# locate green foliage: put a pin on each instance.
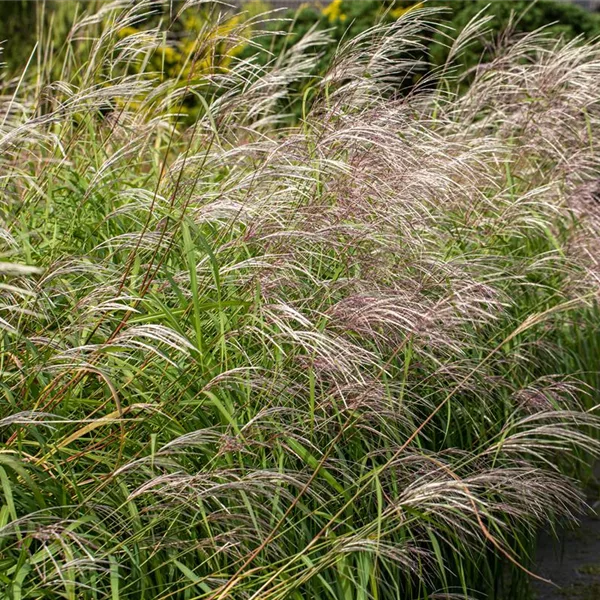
(346, 19)
(23, 23)
(559, 19)
(18, 23)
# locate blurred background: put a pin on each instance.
(22, 20)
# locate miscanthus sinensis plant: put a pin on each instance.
(348, 359)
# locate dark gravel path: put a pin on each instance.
(572, 563)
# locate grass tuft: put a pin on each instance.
(352, 358)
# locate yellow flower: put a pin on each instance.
(169, 54)
(333, 11)
(127, 31)
(401, 10)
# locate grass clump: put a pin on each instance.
(349, 359)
